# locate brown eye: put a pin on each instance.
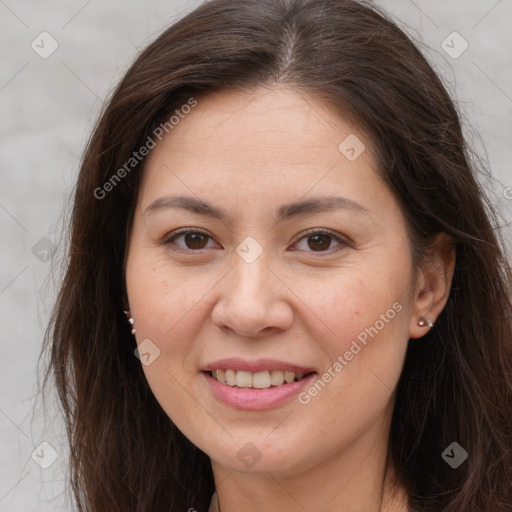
(195, 240)
(192, 240)
(321, 241)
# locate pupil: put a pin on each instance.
(318, 238)
(193, 240)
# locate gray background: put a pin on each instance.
(47, 109)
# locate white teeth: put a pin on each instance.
(289, 377)
(244, 379)
(277, 377)
(261, 380)
(221, 376)
(230, 377)
(258, 380)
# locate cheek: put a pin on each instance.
(353, 304)
(157, 295)
(360, 321)
(169, 304)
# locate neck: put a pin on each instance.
(356, 478)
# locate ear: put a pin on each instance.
(433, 284)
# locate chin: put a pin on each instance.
(258, 454)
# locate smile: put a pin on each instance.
(251, 398)
(259, 380)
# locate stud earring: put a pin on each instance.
(425, 322)
(130, 320)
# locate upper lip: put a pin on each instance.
(259, 365)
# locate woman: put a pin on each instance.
(278, 216)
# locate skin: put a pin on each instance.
(302, 300)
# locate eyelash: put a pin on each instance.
(169, 240)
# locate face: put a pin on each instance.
(286, 252)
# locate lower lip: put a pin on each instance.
(255, 399)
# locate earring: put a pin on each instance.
(130, 320)
(425, 322)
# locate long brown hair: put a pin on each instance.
(125, 452)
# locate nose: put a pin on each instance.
(253, 300)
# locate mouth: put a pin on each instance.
(259, 390)
(266, 379)
(254, 385)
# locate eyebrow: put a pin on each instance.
(284, 212)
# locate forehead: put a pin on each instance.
(280, 118)
(265, 141)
